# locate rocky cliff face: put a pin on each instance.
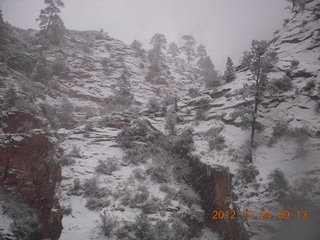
(29, 172)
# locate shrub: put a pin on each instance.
(66, 210)
(193, 92)
(88, 127)
(91, 188)
(141, 195)
(75, 152)
(97, 204)
(309, 86)
(76, 187)
(161, 230)
(171, 122)
(26, 228)
(279, 130)
(294, 63)
(170, 190)
(60, 67)
(217, 142)
(151, 206)
(281, 85)
(108, 224)
(66, 114)
(42, 72)
(139, 174)
(136, 155)
(123, 231)
(189, 196)
(107, 167)
(142, 227)
(184, 143)
(153, 105)
(159, 174)
(10, 98)
(278, 186)
(247, 172)
(179, 230)
(285, 22)
(67, 161)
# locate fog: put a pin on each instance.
(225, 27)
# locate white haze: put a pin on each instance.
(225, 27)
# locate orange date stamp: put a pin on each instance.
(262, 215)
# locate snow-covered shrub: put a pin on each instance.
(153, 105)
(107, 167)
(278, 186)
(193, 92)
(217, 142)
(26, 228)
(279, 130)
(10, 98)
(86, 49)
(179, 230)
(108, 224)
(294, 63)
(91, 188)
(76, 187)
(60, 68)
(67, 161)
(309, 86)
(66, 210)
(169, 190)
(171, 122)
(142, 228)
(161, 230)
(281, 84)
(247, 172)
(141, 130)
(88, 127)
(97, 203)
(75, 151)
(159, 173)
(123, 230)
(139, 174)
(152, 205)
(65, 114)
(141, 195)
(136, 155)
(183, 144)
(189, 196)
(43, 72)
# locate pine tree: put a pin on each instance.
(10, 98)
(229, 73)
(159, 44)
(123, 94)
(42, 72)
(259, 61)
(51, 24)
(201, 51)
(208, 74)
(188, 47)
(173, 50)
(137, 47)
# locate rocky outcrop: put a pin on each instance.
(214, 187)
(28, 172)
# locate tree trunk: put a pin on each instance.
(254, 115)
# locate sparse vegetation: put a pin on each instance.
(108, 224)
(107, 167)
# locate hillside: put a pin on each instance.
(80, 166)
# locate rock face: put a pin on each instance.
(214, 188)
(28, 173)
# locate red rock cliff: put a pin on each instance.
(27, 172)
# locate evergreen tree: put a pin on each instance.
(188, 47)
(159, 44)
(10, 98)
(173, 50)
(137, 47)
(259, 61)
(229, 73)
(208, 74)
(201, 51)
(123, 94)
(51, 24)
(42, 72)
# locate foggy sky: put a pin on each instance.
(225, 27)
